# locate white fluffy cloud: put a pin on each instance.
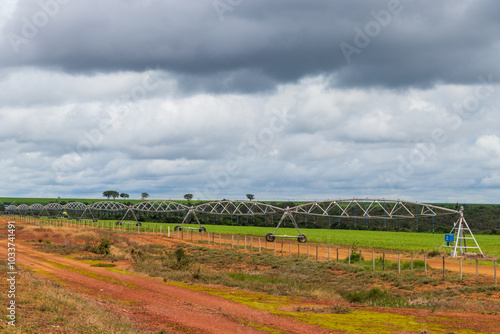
(253, 104)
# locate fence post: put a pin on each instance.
(460, 268)
(425, 264)
(232, 240)
(399, 263)
(337, 255)
(274, 246)
(477, 270)
(383, 261)
(360, 257)
(349, 256)
(259, 246)
(245, 243)
(443, 267)
(317, 249)
(308, 252)
(328, 253)
(251, 244)
(411, 265)
(373, 260)
(495, 270)
(290, 249)
(298, 251)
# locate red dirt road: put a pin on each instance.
(159, 305)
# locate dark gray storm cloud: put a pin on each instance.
(248, 46)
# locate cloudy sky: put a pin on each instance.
(285, 99)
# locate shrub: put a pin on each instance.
(181, 258)
(103, 246)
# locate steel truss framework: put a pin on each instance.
(461, 233)
(342, 208)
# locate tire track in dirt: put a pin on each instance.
(159, 305)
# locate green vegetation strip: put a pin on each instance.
(357, 321)
(93, 275)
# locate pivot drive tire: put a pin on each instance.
(202, 229)
(177, 228)
(302, 238)
(270, 237)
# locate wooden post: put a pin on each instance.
(274, 246)
(259, 246)
(495, 271)
(317, 251)
(298, 251)
(232, 240)
(337, 255)
(282, 241)
(245, 243)
(425, 264)
(349, 256)
(373, 260)
(251, 244)
(411, 263)
(308, 252)
(360, 257)
(290, 249)
(443, 267)
(399, 263)
(477, 269)
(460, 268)
(383, 261)
(220, 240)
(328, 253)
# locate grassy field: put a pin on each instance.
(403, 241)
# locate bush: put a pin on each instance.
(182, 261)
(103, 246)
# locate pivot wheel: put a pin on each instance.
(95, 220)
(177, 228)
(118, 223)
(270, 237)
(302, 238)
(138, 224)
(202, 229)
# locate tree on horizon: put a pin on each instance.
(108, 193)
(250, 197)
(144, 195)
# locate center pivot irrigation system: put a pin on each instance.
(342, 208)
